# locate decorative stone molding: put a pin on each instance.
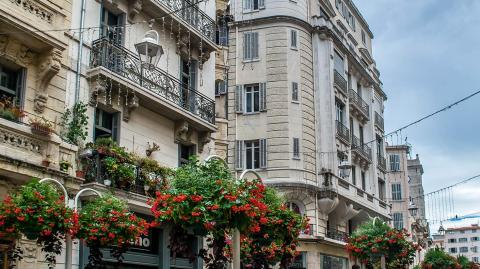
(15, 51)
(203, 139)
(183, 132)
(128, 107)
(134, 8)
(34, 8)
(20, 141)
(99, 88)
(182, 46)
(49, 65)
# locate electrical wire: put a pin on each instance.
(99, 27)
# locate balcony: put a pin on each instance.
(336, 235)
(339, 82)
(382, 163)
(359, 107)
(379, 123)
(361, 152)
(157, 89)
(189, 18)
(343, 133)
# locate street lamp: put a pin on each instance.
(345, 169)
(149, 50)
(412, 208)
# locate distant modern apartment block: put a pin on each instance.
(462, 241)
(304, 98)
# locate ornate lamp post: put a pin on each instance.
(345, 169)
(149, 50)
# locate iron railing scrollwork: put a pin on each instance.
(382, 162)
(360, 103)
(127, 65)
(362, 148)
(379, 121)
(191, 14)
(340, 82)
(337, 235)
(343, 132)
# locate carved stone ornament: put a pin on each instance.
(183, 132)
(15, 51)
(131, 105)
(36, 9)
(135, 7)
(182, 46)
(48, 66)
(203, 139)
(99, 88)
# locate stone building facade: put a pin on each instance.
(304, 95)
(415, 174)
(33, 77)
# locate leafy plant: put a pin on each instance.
(37, 211)
(438, 259)
(74, 123)
(41, 125)
(10, 110)
(64, 165)
(107, 223)
(153, 174)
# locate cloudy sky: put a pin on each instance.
(428, 54)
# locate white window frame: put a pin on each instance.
(397, 218)
(252, 146)
(338, 57)
(253, 91)
(394, 162)
(249, 5)
(293, 39)
(364, 38)
(250, 46)
(462, 240)
(463, 249)
(396, 191)
(296, 148)
(295, 95)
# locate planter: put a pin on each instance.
(80, 173)
(107, 182)
(40, 130)
(46, 163)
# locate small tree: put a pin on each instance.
(74, 123)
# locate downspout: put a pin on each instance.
(80, 52)
(315, 50)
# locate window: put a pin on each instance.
(364, 39)
(252, 98)
(294, 207)
(333, 262)
(112, 26)
(474, 239)
(296, 148)
(294, 91)
(222, 32)
(462, 231)
(380, 146)
(293, 39)
(340, 111)
(362, 137)
(463, 249)
(250, 46)
(11, 82)
(354, 175)
(452, 240)
(185, 152)
(338, 64)
(396, 191)
(251, 154)
(252, 5)
(106, 124)
(474, 231)
(364, 181)
(398, 221)
(452, 250)
(474, 249)
(475, 259)
(220, 87)
(394, 162)
(381, 189)
(351, 20)
(462, 240)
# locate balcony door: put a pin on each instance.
(112, 26)
(188, 79)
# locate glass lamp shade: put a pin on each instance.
(412, 208)
(149, 50)
(345, 169)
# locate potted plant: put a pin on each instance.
(9, 110)
(65, 165)
(37, 211)
(46, 162)
(121, 173)
(41, 126)
(106, 223)
(152, 174)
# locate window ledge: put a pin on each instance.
(296, 102)
(252, 113)
(294, 48)
(296, 158)
(251, 61)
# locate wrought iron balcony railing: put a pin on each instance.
(379, 121)
(192, 15)
(343, 132)
(360, 103)
(337, 235)
(126, 64)
(340, 82)
(362, 148)
(382, 163)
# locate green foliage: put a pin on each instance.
(438, 259)
(74, 123)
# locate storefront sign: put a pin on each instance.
(300, 262)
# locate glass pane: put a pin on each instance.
(249, 101)
(256, 156)
(248, 154)
(256, 101)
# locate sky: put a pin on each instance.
(428, 54)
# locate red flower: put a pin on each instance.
(111, 235)
(196, 214)
(231, 197)
(180, 198)
(21, 218)
(46, 232)
(263, 220)
(196, 198)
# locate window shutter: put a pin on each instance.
(263, 153)
(247, 46)
(263, 96)
(254, 48)
(239, 149)
(239, 99)
(261, 4)
(223, 87)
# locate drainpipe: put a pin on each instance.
(317, 157)
(80, 52)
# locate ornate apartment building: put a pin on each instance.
(304, 99)
(33, 77)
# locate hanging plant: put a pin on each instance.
(107, 223)
(375, 239)
(38, 212)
